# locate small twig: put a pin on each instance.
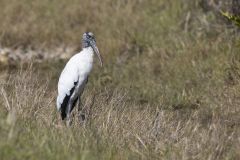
(141, 141)
(6, 99)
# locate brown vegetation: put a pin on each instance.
(169, 88)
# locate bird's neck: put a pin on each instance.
(85, 43)
(88, 51)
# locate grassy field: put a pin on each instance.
(169, 88)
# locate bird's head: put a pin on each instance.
(89, 41)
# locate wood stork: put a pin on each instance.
(75, 76)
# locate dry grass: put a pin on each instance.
(116, 128)
(169, 89)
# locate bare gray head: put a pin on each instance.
(88, 40)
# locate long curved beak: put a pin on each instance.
(95, 48)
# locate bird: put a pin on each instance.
(74, 76)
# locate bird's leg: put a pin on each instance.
(80, 110)
(68, 112)
(80, 105)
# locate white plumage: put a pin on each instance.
(75, 75)
(76, 70)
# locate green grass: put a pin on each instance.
(169, 88)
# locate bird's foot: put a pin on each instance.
(68, 122)
(82, 117)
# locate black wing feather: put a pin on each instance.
(66, 100)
